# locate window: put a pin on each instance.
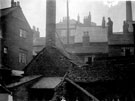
(22, 57)
(23, 33)
(0, 33)
(85, 33)
(126, 51)
(89, 60)
(5, 50)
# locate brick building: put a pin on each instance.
(122, 43)
(87, 40)
(100, 81)
(16, 42)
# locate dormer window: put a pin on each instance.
(23, 33)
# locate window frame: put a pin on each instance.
(5, 50)
(22, 56)
(23, 33)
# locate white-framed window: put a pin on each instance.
(22, 57)
(23, 33)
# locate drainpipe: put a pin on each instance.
(0, 46)
(134, 37)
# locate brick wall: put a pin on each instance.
(14, 42)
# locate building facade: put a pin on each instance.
(87, 40)
(122, 43)
(17, 37)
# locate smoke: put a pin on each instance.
(111, 3)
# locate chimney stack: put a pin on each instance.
(128, 11)
(13, 3)
(18, 3)
(86, 39)
(50, 22)
(103, 22)
(78, 18)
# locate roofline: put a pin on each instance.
(5, 88)
(83, 90)
(17, 85)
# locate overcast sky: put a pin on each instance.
(35, 11)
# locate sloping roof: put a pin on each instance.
(82, 89)
(16, 12)
(7, 11)
(3, 89)
(51, 62)
(103, 71)
(23, 80)
(125, 38)
(47, 82)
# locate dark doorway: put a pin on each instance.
(127, 52)
(89, 60)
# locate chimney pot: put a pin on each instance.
(38, 29)
(12, 3)
(15, 4)
(18, 3)
(34, 28)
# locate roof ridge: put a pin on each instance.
(8, 10)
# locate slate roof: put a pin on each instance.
(103, 71)
(7, 11)
(52, 62)
(16, 12)
(123, 39)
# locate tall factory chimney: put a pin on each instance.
(68, 34)
(128, 11)
(50, 22)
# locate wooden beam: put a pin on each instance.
(82, 89)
